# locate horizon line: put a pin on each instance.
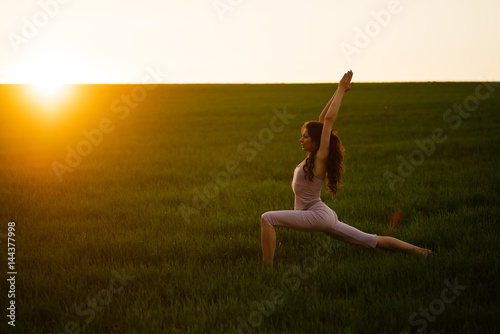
(242, 83)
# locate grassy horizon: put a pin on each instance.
(107, 247)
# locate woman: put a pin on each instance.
(325, 159)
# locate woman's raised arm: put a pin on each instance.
(331, 115)
(323, 113)
(325, 110)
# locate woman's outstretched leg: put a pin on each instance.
(393, 244)
(268, 240)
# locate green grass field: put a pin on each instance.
(152, 224)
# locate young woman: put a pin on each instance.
(325, 160)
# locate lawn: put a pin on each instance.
(137, 210)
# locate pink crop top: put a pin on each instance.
(305, 191)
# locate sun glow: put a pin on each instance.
(50, 89)
(48, 96)
(49, 82)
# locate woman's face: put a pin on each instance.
(308, 144)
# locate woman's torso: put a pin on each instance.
(306, 191)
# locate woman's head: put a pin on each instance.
(311, 136)
(311, 139)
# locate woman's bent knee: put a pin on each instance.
(264, 223)
(265, 219)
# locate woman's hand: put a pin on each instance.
(349, 87)
(344, 86)
(345, 83)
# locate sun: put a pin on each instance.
(49, 96)
(49, 81)
(49, 89)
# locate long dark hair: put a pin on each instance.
(335, 164)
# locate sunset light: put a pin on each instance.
(49, 89)
(48, 81)
(48, 95)
(212, 42)
(49, 73)
(240, 166)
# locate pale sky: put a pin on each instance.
(254, 41)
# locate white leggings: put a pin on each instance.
(320, 218)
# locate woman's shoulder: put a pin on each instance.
(302, 163)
